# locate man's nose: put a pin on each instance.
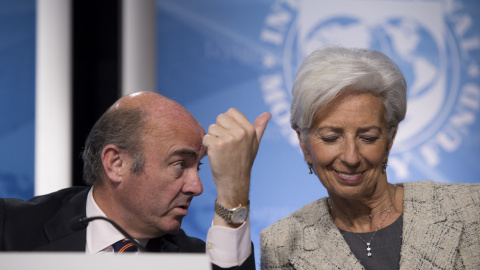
(193, 185)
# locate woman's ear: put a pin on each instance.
(113, 163)
(306, 153)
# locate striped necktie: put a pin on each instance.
(124, 246)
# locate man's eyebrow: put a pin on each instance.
(184, 152)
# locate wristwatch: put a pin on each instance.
(236, 215)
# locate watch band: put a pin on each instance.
(228, 214)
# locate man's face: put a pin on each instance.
(157, 199)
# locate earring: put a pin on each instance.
(310, 168)
(384, 166)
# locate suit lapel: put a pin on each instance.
(161, 245)
(429, 239)
(323, 245)
(59, 231)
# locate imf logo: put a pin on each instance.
(433, 52)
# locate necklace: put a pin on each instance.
(371, 215)
(369, 249)
(381, 211)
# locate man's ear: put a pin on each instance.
(306, 153)
(114, 163)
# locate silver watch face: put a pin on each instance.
(240, 215)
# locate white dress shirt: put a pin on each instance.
(226, 247)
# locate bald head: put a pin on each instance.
(157, 106)
(144, 100)
(123, 125)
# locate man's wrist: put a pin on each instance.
(236, 215)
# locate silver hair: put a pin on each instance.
(331, 71)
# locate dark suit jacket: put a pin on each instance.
(46, 223)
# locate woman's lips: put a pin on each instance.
(350, 177)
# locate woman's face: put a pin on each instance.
(347, 145)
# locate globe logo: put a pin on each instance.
(433, 43)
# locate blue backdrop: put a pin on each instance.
(17, 98)
(213, 55)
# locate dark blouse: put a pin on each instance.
(385, 246)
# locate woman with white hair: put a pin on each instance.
(346, 108)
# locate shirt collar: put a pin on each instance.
(101, 235)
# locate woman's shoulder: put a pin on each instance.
(281, 239)
(442, 189)
(308, 214)
(450, 197)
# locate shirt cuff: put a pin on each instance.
(228, 247)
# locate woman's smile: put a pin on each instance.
(349, 177)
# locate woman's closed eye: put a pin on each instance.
(329, 139)
(369, 139)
